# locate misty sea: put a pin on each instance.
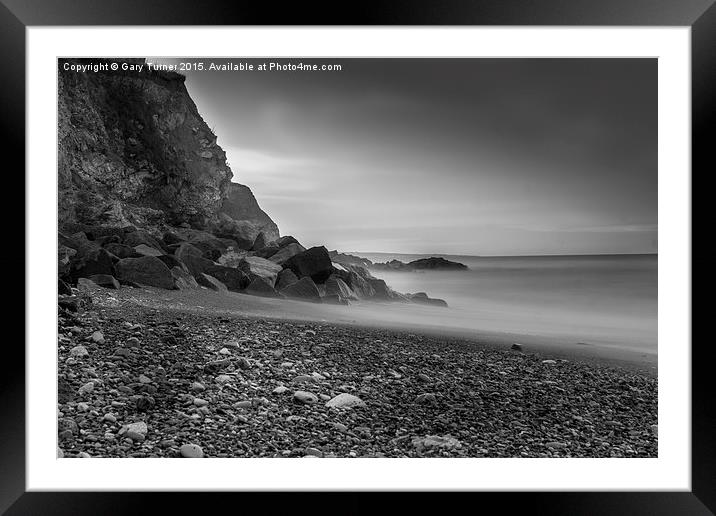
(601, 300)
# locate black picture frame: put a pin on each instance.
(17, 15)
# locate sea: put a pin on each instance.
(595, 300)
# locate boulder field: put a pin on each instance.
(185, 259)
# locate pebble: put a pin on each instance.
(436, 441)
(222, 379)
(555, 444)
(79, 351)
(200, 402)
(345, 400)
(82, 407)
(303, 378)
(423, 377)
(132, 342)
(314, 452)
(110, 417)
(244, 363)
(198, 387)
(86, 388)
(243, 404)
(140, 427)
(98, 337)
(144, 379)
(305, 397)
(224, 351)
(516, 347)
(428, 397)
(280, 389)
(191, 451)
(549, 361)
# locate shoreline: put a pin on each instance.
(142, 374)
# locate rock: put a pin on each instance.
(243, 363)
(217, 365)
(170, 238)
(121, 250)
(305, 397)
(145, 403)
(64, 258)
(280, 256)
(422, 298)
(147, 270)
(171, 261)
(336, 286)
(345, 400)
(223, 379)
(197, 387)
(423, 377)
(260, 287)
(210, 282)
(79, 351)
(144, 379)
(314, 452)
(234, 279)
(516, 347)
(654, 430)
(549, 361)
(60, 453)
(137, 429)
(304, 289)
(243, 404)
(314, 262)
(286, 240)
(95, 261)
(285, 278)
(240, 206)
(303, 378)
(555, 444)
(335, 299)
(145, 250)
(191, 451)
(256, 267)
(140, 237)
(68, 425)
(436, 441)
(193, 259)
(199, 402)
(105, 280)
(132, 342)
(261, 241)
(427, 398)
(183, 280)
(86, 388)
(384, 292)
(110, 418)
(360, 286)
(280, 390)
(266, 252)
(63, 289)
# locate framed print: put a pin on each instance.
(444, 251)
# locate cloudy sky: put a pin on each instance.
(458, 156)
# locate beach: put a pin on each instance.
(146, 372)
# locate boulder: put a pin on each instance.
(105, 280)
(266, 252)
(210, 282)
(304, 289)
(313, 262)
(192, 258)
(360, 286)
(234, 279)
(285, 278)
(231, 258)
(286, 240)
(145, 250)
(171, 261)
(260, 242)
(260, 287)
(121, 250)
(95, 261)
(345, 400)
(336, 286)
(172, 238)
(256, 267)
(384, 292)
(147, 270)
(64, 258)
(63, 288)
(335, 299)
(138, 237)
(286, 253)
(183, 280)
(422, 298)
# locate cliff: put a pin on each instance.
(134, 150)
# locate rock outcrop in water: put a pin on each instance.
(146, 199)
(432, 263)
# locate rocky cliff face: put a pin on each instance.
(134, 150)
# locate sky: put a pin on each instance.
(451, 156)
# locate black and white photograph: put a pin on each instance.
(357, 257)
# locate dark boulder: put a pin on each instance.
(145, 250)
(138, 237)
(287, 253)
(210, 282)
(260, 287)
(170, 238)
(304, 289)
(422, 298)
(260, 242)
(63, 288)
(95, 261)
(234, 279)
(171, 261)
(183, 280)
(64, 258)
(286, 240)
(147, 270)
(384, 292)
(285, 278)
(105, 280)
(193, 259)
(266, 252)
(313, 262)
(336, 286)
(360, 286)
(121, 250)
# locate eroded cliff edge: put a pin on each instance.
(134, 151)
